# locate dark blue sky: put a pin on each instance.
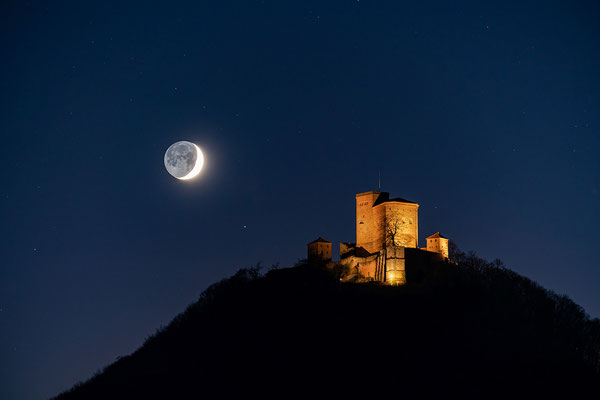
(487, 115)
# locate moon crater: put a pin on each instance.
(184, 160)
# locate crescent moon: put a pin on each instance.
(197, 167)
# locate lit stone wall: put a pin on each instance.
(433, 245)
(386, 229)
(368, 222)
(396, 268)
(404, 220)
(320, 249)
(444, 247)
(345, 248)
(371, 222)
(365, 266)
(438, 245)
(395, 252)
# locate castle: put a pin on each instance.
(387, 240)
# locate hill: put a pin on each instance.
(473, 329)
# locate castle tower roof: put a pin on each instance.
(437, 235)
(384, 197)
(319, 240)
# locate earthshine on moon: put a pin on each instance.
(184, 160)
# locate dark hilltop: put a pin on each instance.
(469, 328)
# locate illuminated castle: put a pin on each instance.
(387, 240)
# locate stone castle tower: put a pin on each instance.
(387, 240)
(319, 248)
(382, 221)
(438, 244)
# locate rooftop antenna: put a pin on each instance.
(379, 181)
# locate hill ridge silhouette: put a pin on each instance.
(470, 327)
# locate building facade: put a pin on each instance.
(320, 248)
(438, 243)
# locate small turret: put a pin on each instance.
(319, 248)
(438, 243)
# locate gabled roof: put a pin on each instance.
(319, 240)
(437, 235)
(356, 252)
(384, 197)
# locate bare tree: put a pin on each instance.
(392, 230)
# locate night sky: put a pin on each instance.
(487, 115)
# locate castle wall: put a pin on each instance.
(368, 222)
(403, 220)
(444, 250)
(346, 248)
(432, 245)
(373, 222)
(438, 245)
(320, 249)
(365, 266)
(396, 272)
(401, 264)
